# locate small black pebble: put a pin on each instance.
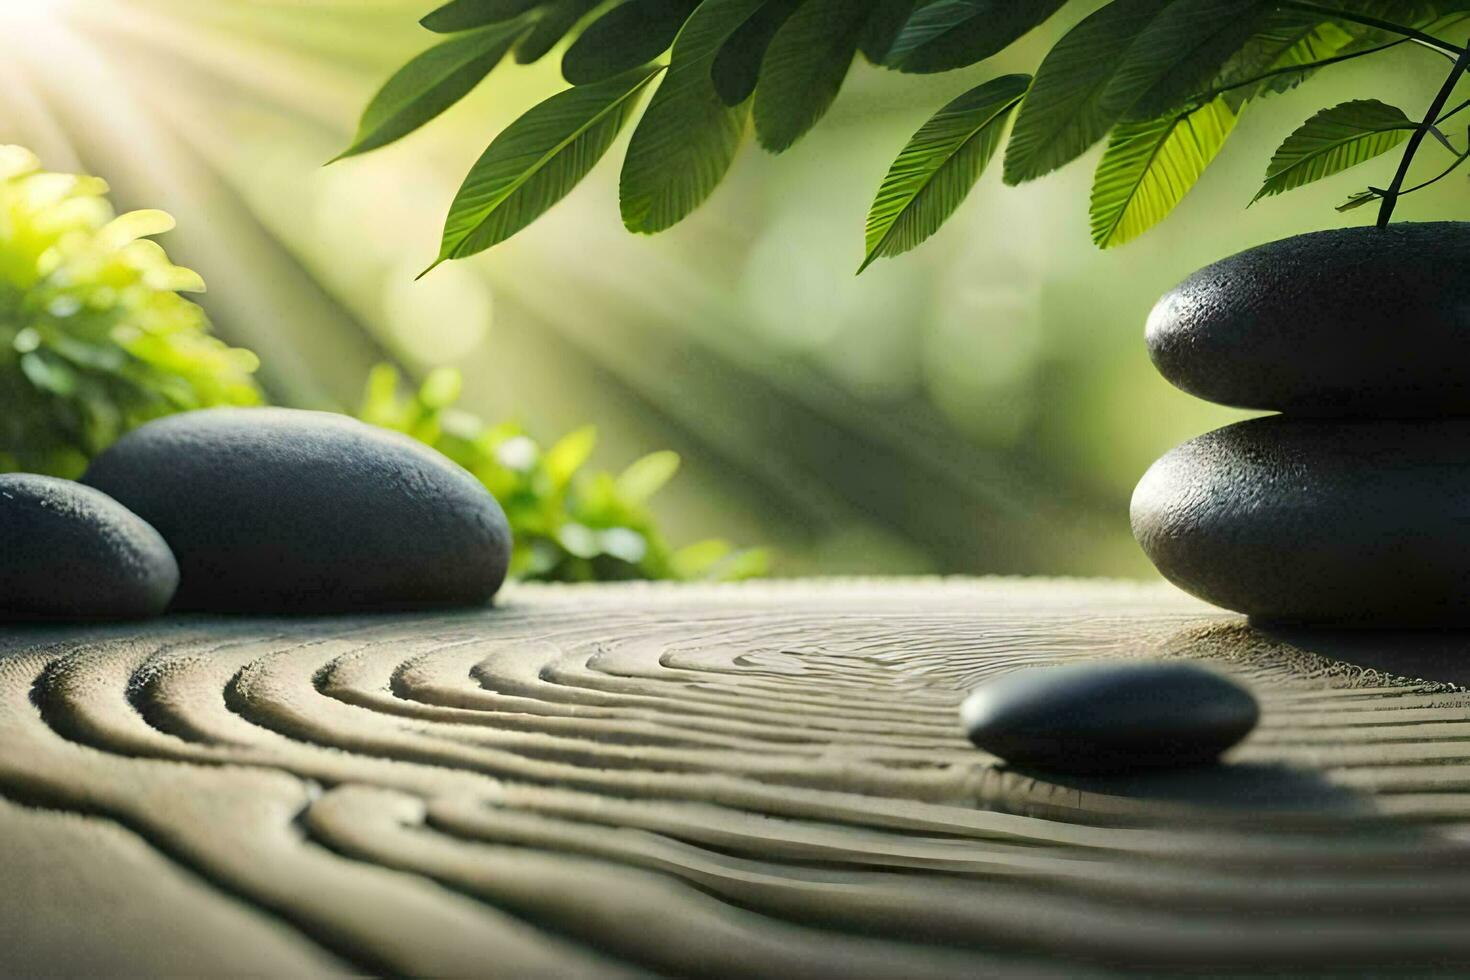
(1112, 717)
(72, 552)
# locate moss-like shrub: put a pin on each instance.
(94, 336)
(570, 525)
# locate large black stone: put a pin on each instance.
(1350, 522)
(275, 510)
(1359, 322)
(71, 552)
(1109, 717)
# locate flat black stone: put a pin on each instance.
(1354, 523)
(1109, 717)
(68, 551)
(1353, 322)
(275, 510)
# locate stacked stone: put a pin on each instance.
(1352, 506)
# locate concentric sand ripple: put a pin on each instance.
(757, 779)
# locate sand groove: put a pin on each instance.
(764, 779)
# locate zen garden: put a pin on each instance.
(740, 488)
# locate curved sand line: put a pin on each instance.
(759, 779)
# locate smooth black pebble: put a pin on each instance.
(1363, 322)
(278, 510)
(1347, 523)
(68, 551)
(1109, 717)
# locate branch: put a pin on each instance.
(1211, 94)
(1391, 196)
(1403, 30)
(1459, 159)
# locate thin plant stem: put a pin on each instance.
(1459, 160)
(1453, 112)
(1211, 94)
(1395, 190)
(1403, 30)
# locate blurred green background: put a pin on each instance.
(984, 404)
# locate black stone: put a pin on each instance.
(1355, 322)
(275, 510)
(1109, 717)
(1307, 521)
(68, 551)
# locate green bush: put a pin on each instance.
(95, 340)
(94, 336)
(570, 525)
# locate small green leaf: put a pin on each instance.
(50, 374)
(631, 34)
(748, 564)
(949, 34)
(1064, 115)
(1334, 140)
(555, 22)
(737, 67)
(536, 162)
(687, 139)
(569, 454)
(441, 388)
(1358, 200)
(939, 166)
(465, 15)
(647, 476)
(1149, 167)
(693, 561)
(804, 69)
(430, 84)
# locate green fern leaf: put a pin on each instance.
(884, 23)
(1287, 39)
(1186, 46)
(555, 23)
(1333, 141)
(631, 34)
(465, 15)
(737, 67)
(805, 67)
(949, 34)
(536, 162)
(1064, 114)
(1149, 167)
(429, 84)
(687, 139)
(937, 169)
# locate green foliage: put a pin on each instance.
(948, 34)
(1334, 140)
(627, 36)
(537, 161)
(95, 339)
(1160, 82)
(1149, 167)
(570, 525)
(1071, 107)
(431, 83)
(935, 172)
(804, 67)
(688, 137)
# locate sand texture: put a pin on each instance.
(763, 779)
